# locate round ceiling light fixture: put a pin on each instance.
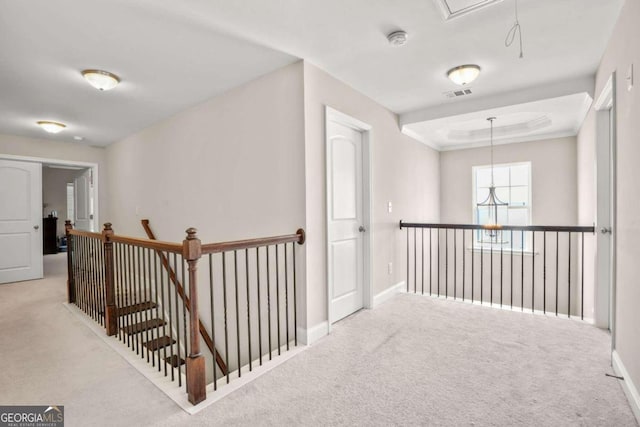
(397, 38)
(51, 127)
(463, 74)
(101, 80)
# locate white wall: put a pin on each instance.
(623, 50)
(405, 172)
(553, 179)
(233, 167)
(67, 151)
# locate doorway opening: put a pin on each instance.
(36, 193)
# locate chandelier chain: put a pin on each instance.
(491, 119)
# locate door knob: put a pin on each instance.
(362, 229)
(605, 230)
(35, 227)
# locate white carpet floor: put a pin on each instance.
(412, 361)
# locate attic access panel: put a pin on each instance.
(455, 8)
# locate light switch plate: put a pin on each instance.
(389, 207)
(630, 78)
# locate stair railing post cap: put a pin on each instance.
(303, 236)
(191, 233)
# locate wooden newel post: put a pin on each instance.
(196, 377)
(110, 309)
(71, 285)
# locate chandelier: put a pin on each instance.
(492, 202)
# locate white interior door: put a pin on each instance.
(83, 200)
(20, 221)
(345, 220)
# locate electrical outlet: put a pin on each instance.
(390, 268)
(389, 207)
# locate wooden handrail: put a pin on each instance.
(212, 248)
(156, 245)
(172, 276)
(90, 234)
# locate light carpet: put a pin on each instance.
(412, 361)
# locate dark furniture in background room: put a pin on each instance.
(49, 238)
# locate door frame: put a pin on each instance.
(59, 162)
(334, 115)
(92, 197)
(605, 111)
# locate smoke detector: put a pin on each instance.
(397, 38)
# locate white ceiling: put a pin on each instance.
(167, 63)
(174, 54)
(549, 118)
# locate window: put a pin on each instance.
(513, 186)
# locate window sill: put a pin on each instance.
(507, 251)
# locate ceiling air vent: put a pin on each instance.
(457, 93)
(455, 8)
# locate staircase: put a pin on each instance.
(154, 328)
(150, 334)
(145, 293)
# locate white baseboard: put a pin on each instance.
(496, 306)
(313, 334)
(630, 389)
(387, 294)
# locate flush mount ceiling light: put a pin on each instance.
(397, 38)
(101, 80)
(51, 127)
(463, 74)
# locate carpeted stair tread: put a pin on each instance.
(135, 308)
(159, 343)
(174, 360)
(143, 326)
